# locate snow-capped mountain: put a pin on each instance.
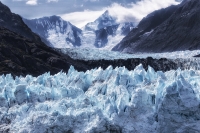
(104, 32)
(55, 31)
(108, 32)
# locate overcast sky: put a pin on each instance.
(80, 12)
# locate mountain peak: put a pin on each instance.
(15, 23)
(106, 20)
(103, 21)
(4, 8)
(55, 31)
(106, 15)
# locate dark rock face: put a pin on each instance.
(158, 64)
(172, 29)
(41, 27)
(127, 27)
(197, 56)
(21, 56)
(15, 23)
(102, 35)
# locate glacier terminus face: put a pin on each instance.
(111, 100)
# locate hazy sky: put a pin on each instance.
(80, 12)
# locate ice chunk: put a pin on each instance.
(21, 94)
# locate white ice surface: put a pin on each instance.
(102, 53)
(58, 40)
(114, 40)
(117, 100)
(57, 33)
(88, 39)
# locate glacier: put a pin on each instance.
(111, 100)
(101, 53)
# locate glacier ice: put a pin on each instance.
(102, 53)
(110, 100)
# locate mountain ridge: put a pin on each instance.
(54, 30)
(94, 35)
(178, 32)
(15, 23)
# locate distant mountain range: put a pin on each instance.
(171, 29)
(58, 33)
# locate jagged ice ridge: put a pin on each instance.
(111, 100)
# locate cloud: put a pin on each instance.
(79, 19)
(31, 2)
(52, 1)
(137, 11)
(17, 0)
(133, 13)
(80, 12)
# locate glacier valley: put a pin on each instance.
(112, 100)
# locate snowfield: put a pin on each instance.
(111, 100)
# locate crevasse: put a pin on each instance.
(111, 100)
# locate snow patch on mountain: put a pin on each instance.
(87, 39)
(57, 32)
(58, 40)
(120, 33)
(111, 100)
(112, 41)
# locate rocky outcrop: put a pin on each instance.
(162, 64)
